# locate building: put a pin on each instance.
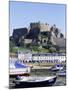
(47, 57)
(26, 57)
(35, 25)
(44, 27)
(27, 41)
(39, 34)
(56, 58)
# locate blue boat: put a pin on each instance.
(18, 69)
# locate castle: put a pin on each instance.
(39, 34)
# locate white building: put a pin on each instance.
(27, 41)
(53, 59)
(45, 58)
(25, 56)
(44, 27)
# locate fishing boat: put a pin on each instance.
(18, 69)
(33, 81)
(61, 73)
(57, 67)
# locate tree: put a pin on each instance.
(11, 44)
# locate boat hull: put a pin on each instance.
(44, 83)
(15, 75)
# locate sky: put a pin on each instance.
(21, 14)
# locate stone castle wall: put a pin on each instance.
(42, 26)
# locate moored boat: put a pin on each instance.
(18, 69)
(61, 73)
(57, 67)
(33, 81)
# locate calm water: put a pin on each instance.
(61, 80)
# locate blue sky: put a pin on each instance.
(22, 13)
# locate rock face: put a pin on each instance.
(57, 39)
(39, 32)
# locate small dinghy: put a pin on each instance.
(33, 81)
(57, 67)
(61, 73)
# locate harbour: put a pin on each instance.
(60, 81)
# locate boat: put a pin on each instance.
(17, 68)
(33, 81)
(57, 67)
(61, 73)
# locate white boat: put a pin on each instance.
(61, 73)
(57, 67)
(18, 69)
(34, 81)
